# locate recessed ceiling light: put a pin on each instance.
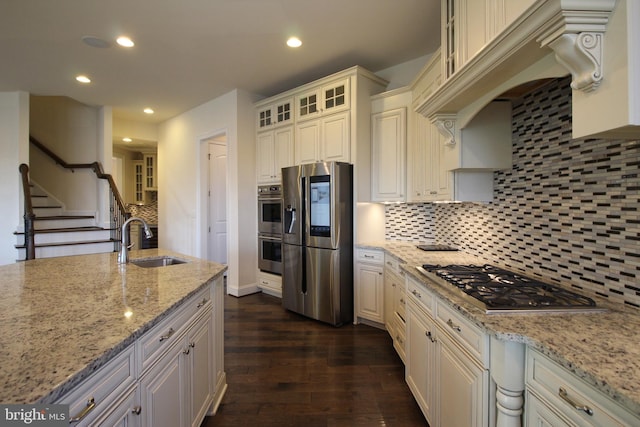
(126, 139)
(294, 42)
(125, 41)
(95, 42)
(149, 110)
(83, 79)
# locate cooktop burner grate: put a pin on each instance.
(499, 290)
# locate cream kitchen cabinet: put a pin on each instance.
(328, 98)
(150, 172)
(421, 350)
(447, 362)
(270, 284)
(171, 376)
(556, 397)
(138, 181)
(395, 304)
(274, 113)
(468, 25)
(332, 121)
(369, 288)
(450, 164)
(99, 395)
(274, 151)
(323, 139)
(177, 389)
(389, 123)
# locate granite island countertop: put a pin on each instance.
(603, 349)
(62, 318)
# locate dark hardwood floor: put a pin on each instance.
(287, 370)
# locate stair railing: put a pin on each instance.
(29, 216)
(118, 213)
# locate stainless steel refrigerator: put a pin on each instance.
(317, 241)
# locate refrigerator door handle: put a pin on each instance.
(292, 220)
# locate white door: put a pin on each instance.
(217, 241)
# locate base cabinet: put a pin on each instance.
(420, 365)
(161, 392)
(177, 391)
(369, 285)
(556, 397)
(450, 383)
(395, 304)
(171, 376)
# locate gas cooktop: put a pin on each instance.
(496, 290)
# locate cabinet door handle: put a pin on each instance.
(203, 302)
(579, 407)
(136, 410)
(186, 351)
(454, 326)
(91, 404)
(428, 334)
(167, 335)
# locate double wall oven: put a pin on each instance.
(270, 228)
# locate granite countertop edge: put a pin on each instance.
(87, 326)
(499, 326)
(111, 353)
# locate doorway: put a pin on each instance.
(217, 199)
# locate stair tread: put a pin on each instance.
(63, 217)
(65, 230)
(87, 242)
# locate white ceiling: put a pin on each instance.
(190, 51)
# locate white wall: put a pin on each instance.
(403, 74)
(71, 130)
(182, 184)
(14, 150)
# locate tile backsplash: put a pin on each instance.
(568, 211)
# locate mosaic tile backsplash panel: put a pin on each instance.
(568, 211)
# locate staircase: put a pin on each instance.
(58, 233)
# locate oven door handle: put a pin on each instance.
(270, 238)
(269, 199)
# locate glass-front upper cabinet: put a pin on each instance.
(277, 113)
(330, 98)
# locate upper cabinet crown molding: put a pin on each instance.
(572, 29)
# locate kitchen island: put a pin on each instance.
(601, 349)
(62, 319)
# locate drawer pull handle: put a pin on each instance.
(416, 293)
(369, 256)
(167, 335)
(428, 334)
(91, 404)
(136, 410)
(204, 301)
(565, 396)
(453, 326)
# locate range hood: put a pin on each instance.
(550, 39)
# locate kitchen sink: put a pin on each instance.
(159, 261)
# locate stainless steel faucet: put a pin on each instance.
(123, 255)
